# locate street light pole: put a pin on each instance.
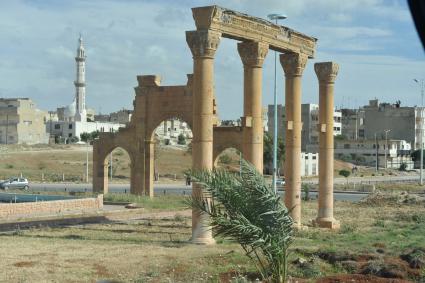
(421, 123)
(275, 140)
(87, 160)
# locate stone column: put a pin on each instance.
(203, 44)
(100, 166)
(293, 65)
(137, 167)
(149, 159)
(326, 73)
(252, 55)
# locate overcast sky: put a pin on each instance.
(373, 41)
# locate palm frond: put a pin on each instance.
(242, 207)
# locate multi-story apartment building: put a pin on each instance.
(310, 120)
(394, 121)
(21, 122)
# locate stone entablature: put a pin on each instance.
(239, 26)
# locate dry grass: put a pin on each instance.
(54, 161)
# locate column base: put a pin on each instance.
(203, 241)
(329, 223)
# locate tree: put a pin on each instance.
(416, 156)
(181, 139)
(262, 228)
(345, 173)
(87, 137)
(268, 150)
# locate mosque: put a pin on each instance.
(70, 121)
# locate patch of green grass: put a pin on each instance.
(167, 202)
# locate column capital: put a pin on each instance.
(326, 71)
(293, 64)
(203, 43)
(253, 53)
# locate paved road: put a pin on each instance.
(160, 187)
(159, 190)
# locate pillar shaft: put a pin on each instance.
(149, 163)
(203, 45)
(293, 65)
(252, 55)
(326, 73)
(100, 166)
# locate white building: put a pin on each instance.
(368, 152)
(76, 128)
(171, 129)
(309, 164)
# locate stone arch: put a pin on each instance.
(102, 147)
(183, 117)
(226, 137)
(217, 158)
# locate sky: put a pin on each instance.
(374, 42)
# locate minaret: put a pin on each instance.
(80, 83)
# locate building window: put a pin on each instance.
(346, 145)
(57, 126)
(70, 126)
(28, 123)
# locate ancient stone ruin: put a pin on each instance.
(195, 104)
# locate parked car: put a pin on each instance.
(15, 183)
(280, 182)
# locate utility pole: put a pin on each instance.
(386, 147)
(7, 126)
(377, 153)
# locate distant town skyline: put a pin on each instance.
(374, 42)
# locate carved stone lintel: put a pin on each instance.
(253, 53)
(293, 64)
(203, 43)
(326, 71)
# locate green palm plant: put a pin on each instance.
(243, 208)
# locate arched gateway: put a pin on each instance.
(195, 104)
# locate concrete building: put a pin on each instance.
(352, 124)
(390, 154)
(122, 116)
(401, 123)
(21, 122)
(310, 122)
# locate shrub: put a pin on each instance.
(403, 166)
(181, 139)
(225, 159)
(262, 228)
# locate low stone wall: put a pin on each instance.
(13, 210)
